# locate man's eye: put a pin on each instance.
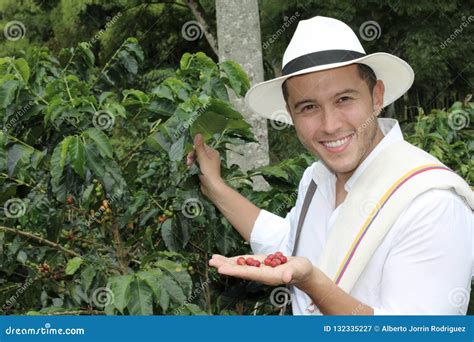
(344, 99)
(308, 108)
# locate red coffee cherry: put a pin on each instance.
(241, 261)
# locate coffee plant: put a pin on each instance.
(101, 214)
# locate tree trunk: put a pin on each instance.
(238, 39)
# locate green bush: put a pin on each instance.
(101, 213)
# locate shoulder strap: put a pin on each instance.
(304, 210)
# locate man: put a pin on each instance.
(379, 227)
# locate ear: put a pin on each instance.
(377, 95)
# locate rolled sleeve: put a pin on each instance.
(270, 233)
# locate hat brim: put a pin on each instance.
(266, 98)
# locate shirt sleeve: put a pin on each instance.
(271, 232)
(428, 269)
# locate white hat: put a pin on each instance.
(322, 43)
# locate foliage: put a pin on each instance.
(106, 215)
(447, 135)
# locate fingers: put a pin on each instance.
(190, 159)
(199, 144)
(287, 276)
(199, 148)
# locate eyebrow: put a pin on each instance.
(345, 91)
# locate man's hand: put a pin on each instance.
(240, 212)
(209, 163)
(296, 271)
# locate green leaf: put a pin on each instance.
(274, 171)
(120, 286)
(87, 54)
(152, 278)
(73, 265)
(87, 276)
(58, 160)
(178, 273)
(22, 67)
(18, 155)
(176, 151)
(21, 257)
(77, 153)
(220, 116)
(3, 151)
(101, 141)
(7, 92)
(237, 77)
(168, 235)
(141, 298)
(174, 291)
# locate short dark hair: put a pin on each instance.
(365, 72)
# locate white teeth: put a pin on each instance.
(337, 143)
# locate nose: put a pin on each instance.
(331, 121)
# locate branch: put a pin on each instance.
(198, 14)
(39, 240)
(119, 252)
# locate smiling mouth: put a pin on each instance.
(337, 145)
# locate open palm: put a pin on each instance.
(296, 270)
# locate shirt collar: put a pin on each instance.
(392, 134)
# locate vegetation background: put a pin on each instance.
(99, 101)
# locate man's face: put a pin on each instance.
(333, 113)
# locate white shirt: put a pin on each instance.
(424, 264)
